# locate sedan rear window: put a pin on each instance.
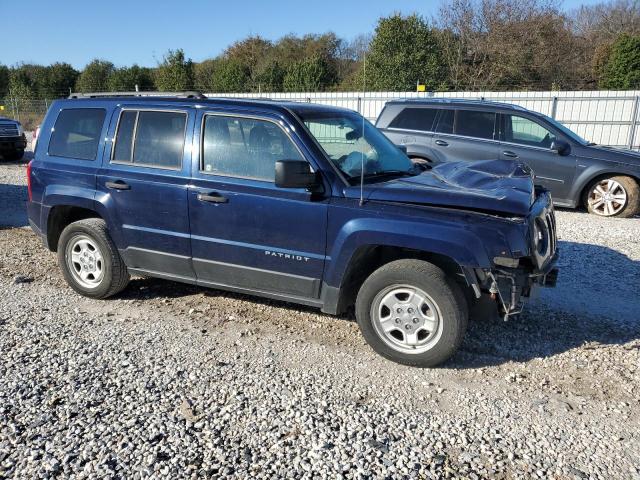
(76, 133)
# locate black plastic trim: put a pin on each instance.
(256, 278)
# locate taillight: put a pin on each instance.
(29, 179)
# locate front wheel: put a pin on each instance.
(617, 196)
(410, 312)
(90, 261)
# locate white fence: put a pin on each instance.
(604, 117)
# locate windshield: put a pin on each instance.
(349, 147)
(569, 133)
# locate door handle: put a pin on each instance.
(510, 154)
(117, 185)
(442, 143)
(212, 197)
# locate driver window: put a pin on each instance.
(244, 147)
(523, 131)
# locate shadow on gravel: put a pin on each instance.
(13, 211)
(148, 288)
(595, 302)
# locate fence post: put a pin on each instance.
(360, 105)
(554, 107)
(16, 108)
(634, 121)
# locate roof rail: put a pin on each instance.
(186, 94)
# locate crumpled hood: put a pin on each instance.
(496, 186)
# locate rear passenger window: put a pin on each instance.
(150, 138)
(244, 147)
(474, 123)
(76, 133)
(415, 119)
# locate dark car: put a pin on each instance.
(271, 199)
(12, 139)
(576, 172)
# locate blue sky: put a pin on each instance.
(141, 31)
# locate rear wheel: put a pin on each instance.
(421, 160)
(410, 312)
(616, 196)
(90, 261)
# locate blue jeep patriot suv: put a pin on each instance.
(303, 203)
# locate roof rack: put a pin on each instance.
(186, 94)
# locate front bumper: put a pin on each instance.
(511, 287)
(11, 144)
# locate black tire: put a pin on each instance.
(632, 190)
(14, 156)
(442, 290)
(115, 276)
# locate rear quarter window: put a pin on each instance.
(76, 133)
(415, 119)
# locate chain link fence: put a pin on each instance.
(27, 111)
(609, 118)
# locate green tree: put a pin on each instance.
(4, 81)
(95, 77)
(59, 80)
(126, 79)
(22, 81)
(204, 76)
(269, 77)
(230, 76)
(405, 50)
(622, 70)
(175, 72)
(308, 75)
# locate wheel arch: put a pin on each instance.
(60, 216)
(368, 258)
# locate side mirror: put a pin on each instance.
(402, 148)
(295, 174)
(560, 147)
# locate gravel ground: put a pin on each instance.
(172, 381)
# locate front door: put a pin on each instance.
(528, 141)
(143, 186)
(247, 233)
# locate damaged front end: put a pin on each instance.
(511, 280)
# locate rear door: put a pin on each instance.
(143, 185)
(529, 141)
(246, 232)
(463, 134)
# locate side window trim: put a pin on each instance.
(201, 169)
(134, 136)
